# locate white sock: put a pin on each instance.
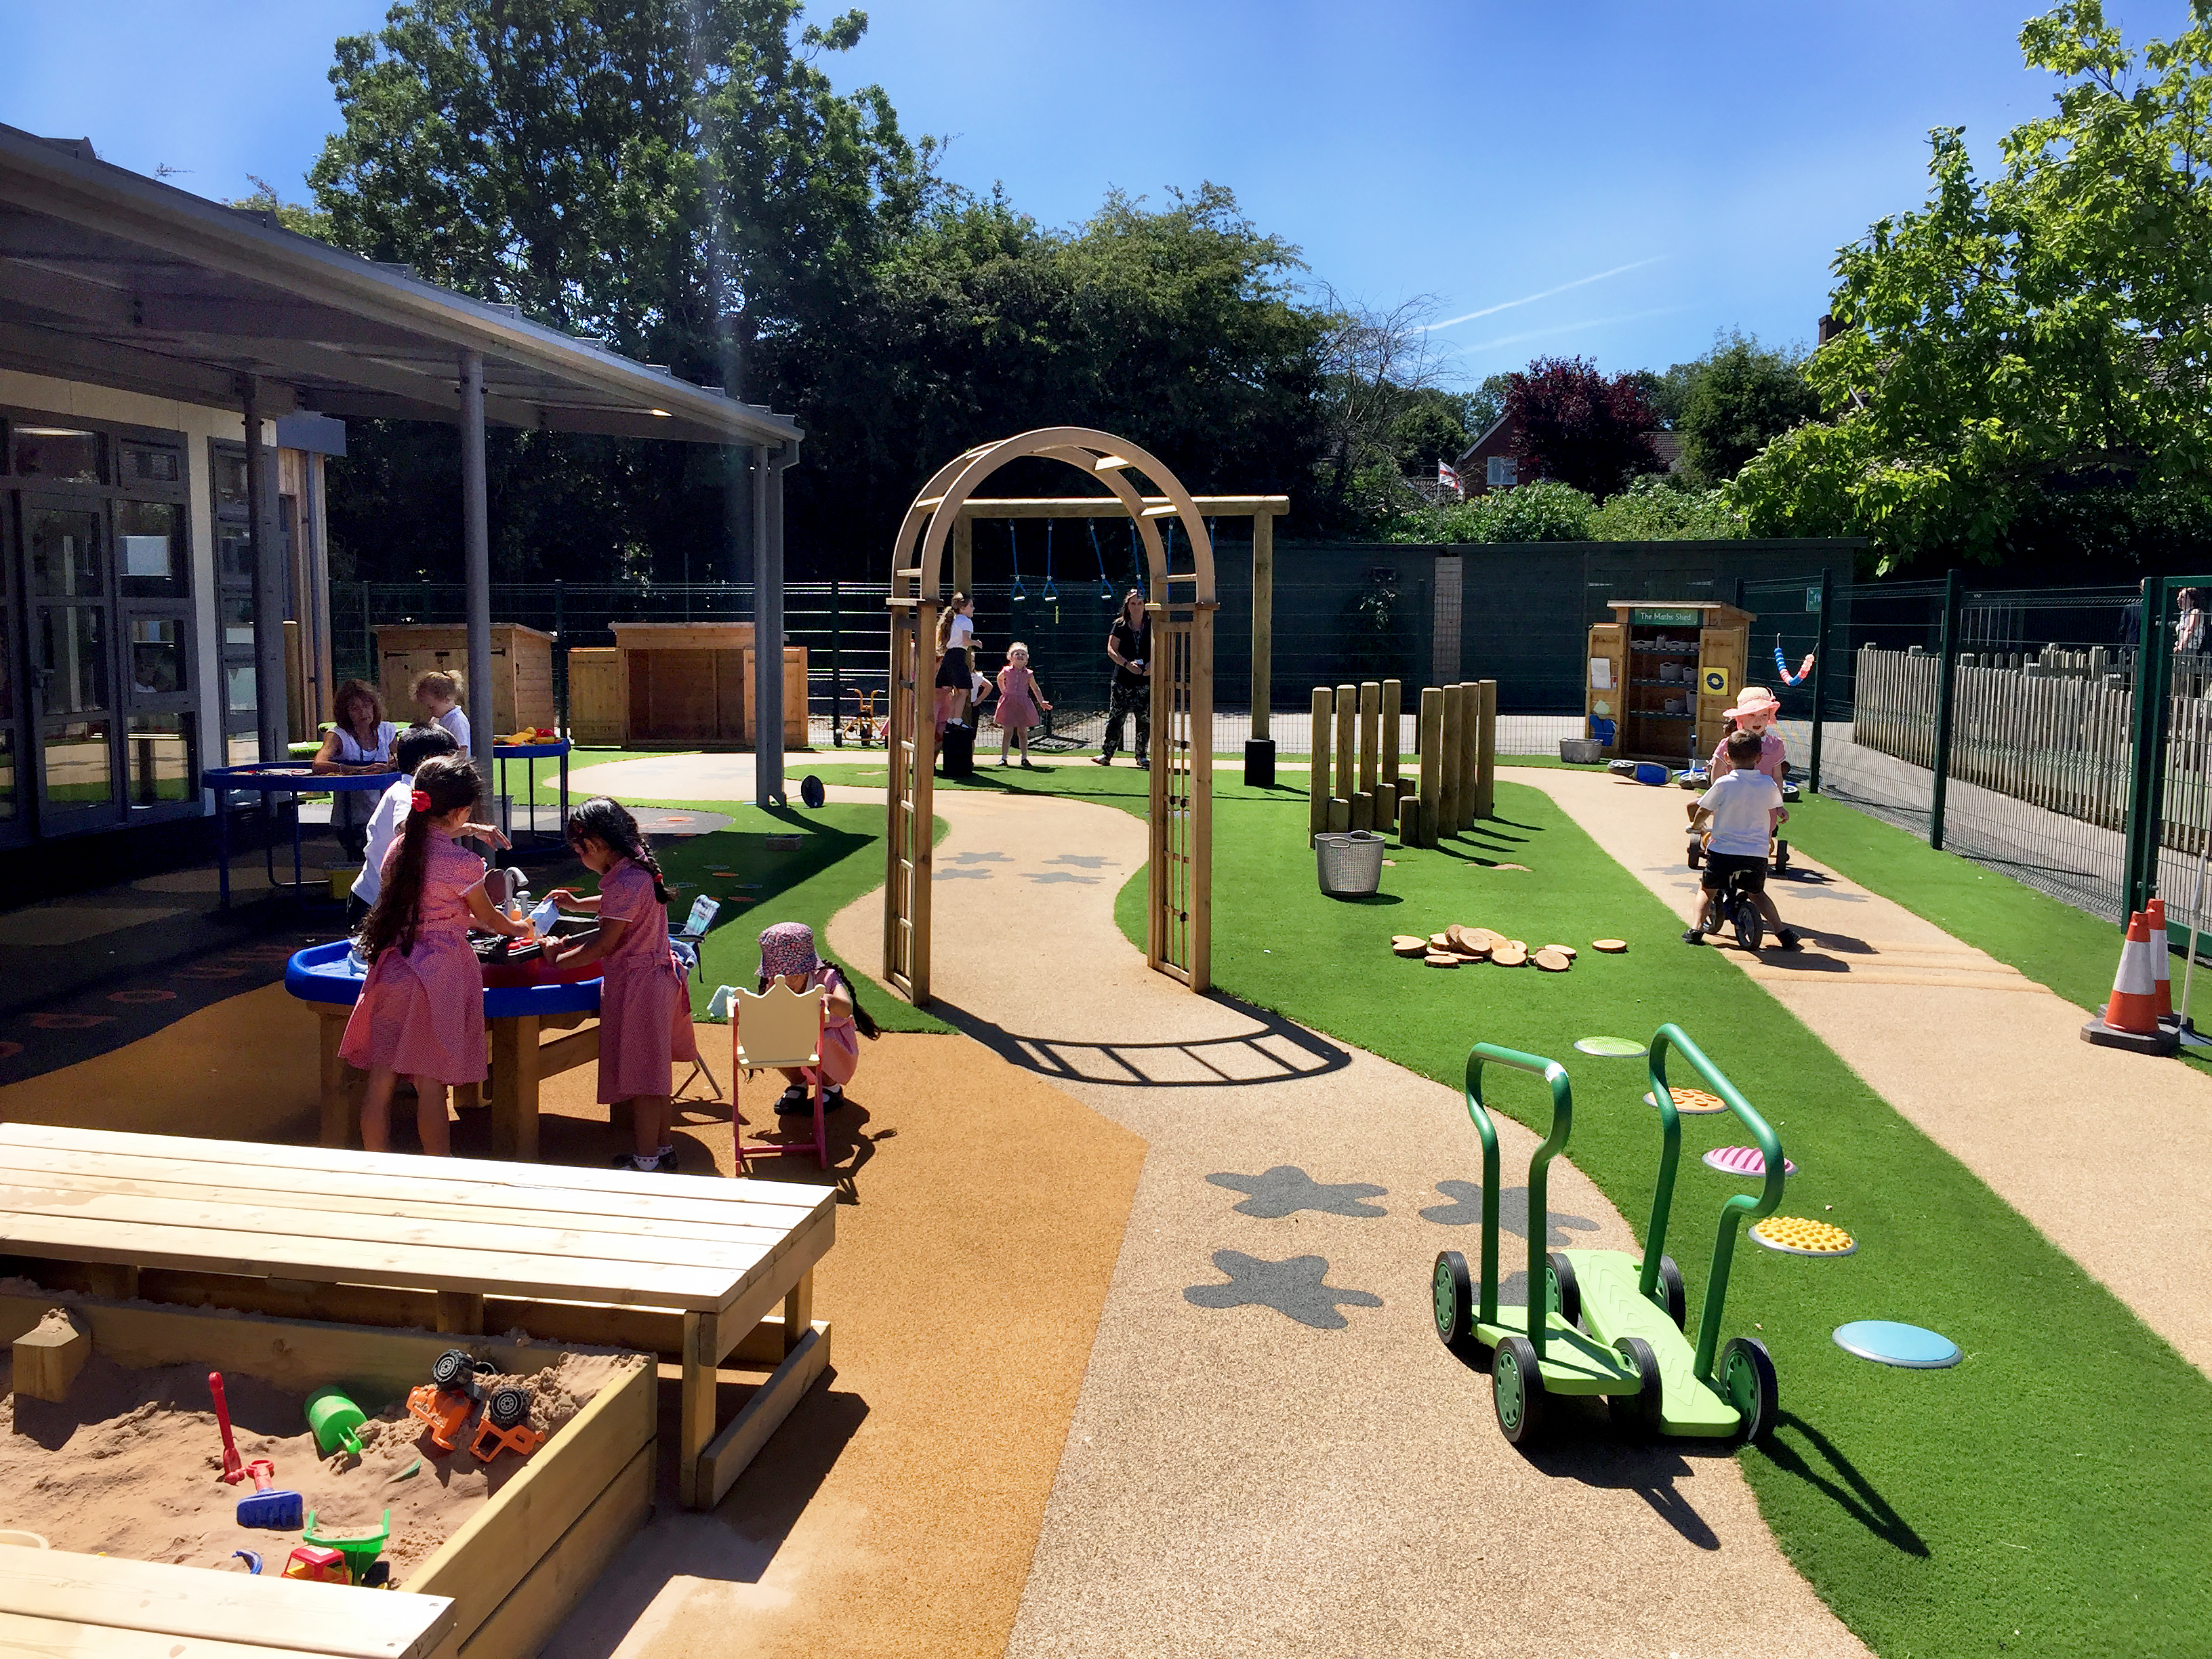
(637, 1162)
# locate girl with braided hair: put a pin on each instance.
(645, 1008)
(421, 1009)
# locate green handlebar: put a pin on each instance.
(1540, 1169)
(1741, 1207)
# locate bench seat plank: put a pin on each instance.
(82, 1595)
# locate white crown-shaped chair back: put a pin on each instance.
(780, 1026)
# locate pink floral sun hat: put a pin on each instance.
(788, 948)
(1754, 701)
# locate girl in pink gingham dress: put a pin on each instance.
(1020, 700)
(421, 1009)
(645, 1008)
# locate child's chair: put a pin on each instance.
(776, 1028)
(696, 925)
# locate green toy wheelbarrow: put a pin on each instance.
(1610, 1324)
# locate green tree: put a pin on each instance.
(2024, 352)
(1543, 511)
(1742, 396)
(1431, 427)
(292, 216)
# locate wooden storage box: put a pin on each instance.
(692, 683)
(521, 671)
(518, 1565)
(1673, 670)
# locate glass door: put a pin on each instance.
(71, 639)
(14, 815)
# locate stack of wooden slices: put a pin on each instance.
(1460, 944)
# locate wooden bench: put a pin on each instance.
(62, 1606)
(691, 1268)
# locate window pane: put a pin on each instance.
(157, 656)
(65, 550)
(229, 466)
(10, 808)
(63, 453)
(160, 748)
(234, 557)
(244, 748)
(69, 654)
(238, 678)
(152, 464)
(237, 622)
(150, 549)
(75, 768)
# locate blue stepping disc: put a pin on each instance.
(1888, 1343)
(1608, 1048)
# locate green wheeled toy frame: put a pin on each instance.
(1611, 1323)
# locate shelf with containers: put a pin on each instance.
(1661, 675)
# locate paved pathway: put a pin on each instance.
(2109, 1154)
(1272, 1454)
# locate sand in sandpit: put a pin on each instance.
(129, 1464)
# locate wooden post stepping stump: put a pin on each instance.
(1612, 947)
(49, 1356)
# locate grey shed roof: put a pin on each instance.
(114, 278)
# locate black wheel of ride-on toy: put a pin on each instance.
(1744, 918)
(507, 1407)
(1745, 1374)
(1644, 1408)
(1561, 1290)
(1668, 1293)
(1517, 1390)
(1452, 1292)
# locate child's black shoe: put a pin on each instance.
(794, 1100)
(1694, 936)
(1788, 939)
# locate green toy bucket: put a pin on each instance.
(360, 1550)
(334, 1418)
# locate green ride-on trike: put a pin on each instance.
(1609, 1323)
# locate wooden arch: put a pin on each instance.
(1178, 935)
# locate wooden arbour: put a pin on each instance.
(1178, 933)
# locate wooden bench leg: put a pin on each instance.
(460, 1313)
(798, 1311)
(514, 1088)
(702, 1353)
(336, 1099)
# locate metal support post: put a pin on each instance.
(272, 722)
(1820, 679)
(836, 689)
(1947, 679)
(476, 527)
(2147, 758)
(1259, 747)
(561, 663)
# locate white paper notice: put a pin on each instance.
(1602, 673)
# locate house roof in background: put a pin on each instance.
(111, 277)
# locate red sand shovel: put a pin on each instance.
(233, 1467)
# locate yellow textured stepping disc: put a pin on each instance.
(1798, 1235)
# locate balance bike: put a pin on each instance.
(1612, 1324)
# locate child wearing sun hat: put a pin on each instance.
(1754, 711)
(787, 954)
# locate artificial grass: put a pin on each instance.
(2047, 1495)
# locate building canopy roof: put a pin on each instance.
(119, 280)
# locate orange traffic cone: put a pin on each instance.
(2130, 1018)
(2161, 977)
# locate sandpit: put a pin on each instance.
(128, 1464)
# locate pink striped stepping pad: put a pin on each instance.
(1743, 1161)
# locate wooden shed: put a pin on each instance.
(679, 683)
(522, 671)
(1665, 674)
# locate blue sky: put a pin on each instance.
(1617, 180)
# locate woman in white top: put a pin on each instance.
(360, 742)
(955, 642)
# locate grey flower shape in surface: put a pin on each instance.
(1292, 1288)
(981, 857)
(1465, 1210)
(963, 875)
(1286, 1190)
(1051, 876)
(1082, 861)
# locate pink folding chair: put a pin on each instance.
(770, 1030)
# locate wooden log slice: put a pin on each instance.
(1410, 946)
(1566, 950)
(1509, 955)
(1489, 936)
(1467, 944)
(1443, 959)
(1550, 961)
(1440, 942)
(1612, 947)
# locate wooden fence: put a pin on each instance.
(2051, 730)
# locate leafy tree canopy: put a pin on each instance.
(2019, 344)
(1651, 509)
(1742, 396)
(1579, 427)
